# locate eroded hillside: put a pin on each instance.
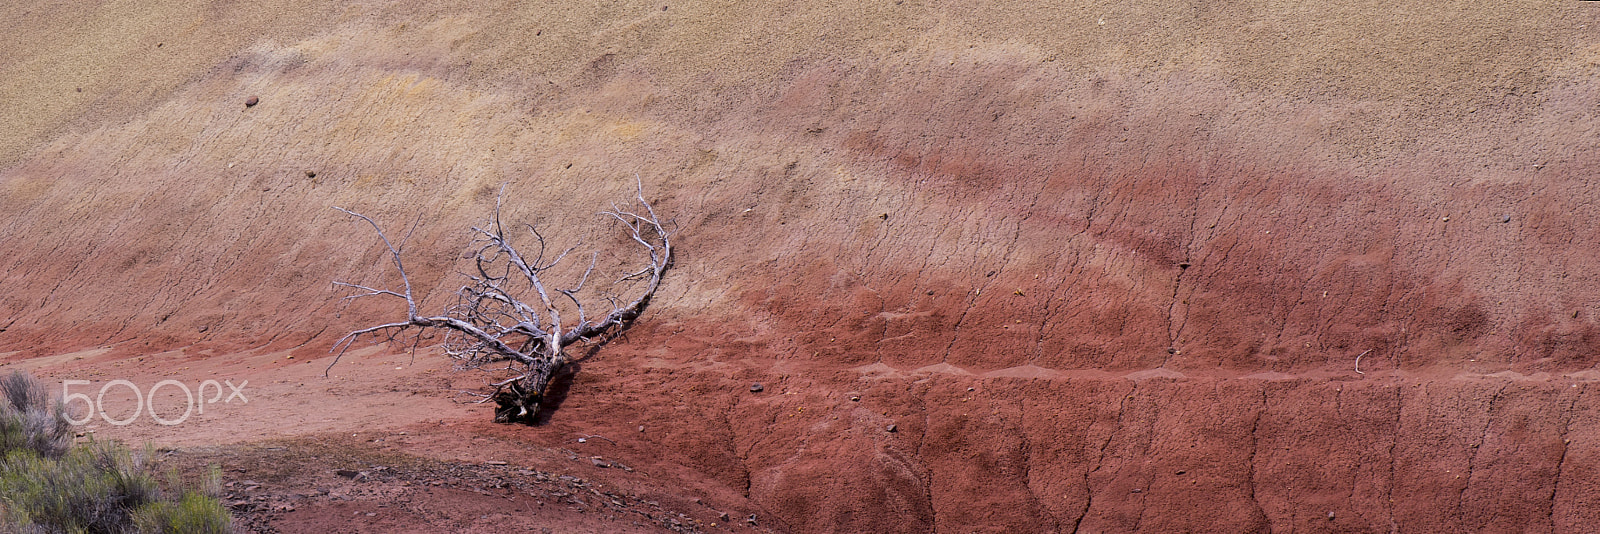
(1104, 266)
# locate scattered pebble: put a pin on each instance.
(599, 463)
(496, 462)
(892, 428)
(311, 174)
(1330, 516)
(251, 102)
(1505, 218)
(756, 388)
(855, 399)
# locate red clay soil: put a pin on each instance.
(1000, 266)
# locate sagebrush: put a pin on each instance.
(48, 485)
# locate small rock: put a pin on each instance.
(751, 520)
(346, 473)
(1505, 218)
(1137, 490)
(238, 503)
(855, 399)
(1330, 516)
(756, 388)
(641, 428)
(599, 463)
(723, 517)
(892, 428)
(251, 102)
(496, 462)
(311, 174)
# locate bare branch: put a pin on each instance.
(369, 291)
(411, 305)
(493, 322)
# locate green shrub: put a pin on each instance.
(92, 488)
(48, 487)
(192, 513)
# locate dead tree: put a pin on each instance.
(510, 319)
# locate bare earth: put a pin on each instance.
(1101, 267)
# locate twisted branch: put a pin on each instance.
(491, 322)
